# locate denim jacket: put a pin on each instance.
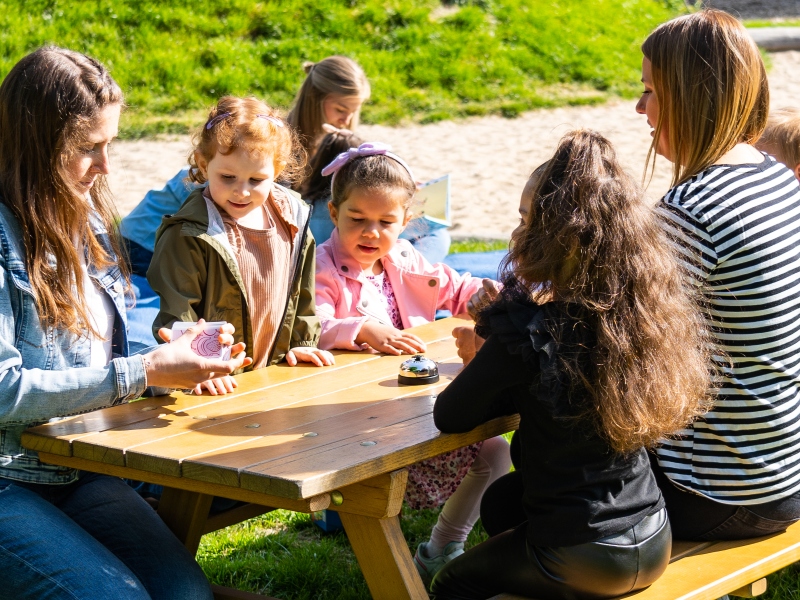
(45, 374)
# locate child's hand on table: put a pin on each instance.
(218, 385)
(321, 358)
(482, 298)
(467, 342)
(386, 338)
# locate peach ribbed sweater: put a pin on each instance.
(264, 257)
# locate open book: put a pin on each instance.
(431, 207)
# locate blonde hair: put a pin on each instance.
(648, 375)
(236, 123)
(333, 75)
(781, 138)
(711, 87)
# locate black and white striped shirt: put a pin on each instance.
(740, 232)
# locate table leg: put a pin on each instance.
(185, 513)
(384, 558)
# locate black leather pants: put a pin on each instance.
(608, 567)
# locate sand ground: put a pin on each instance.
(489, 158)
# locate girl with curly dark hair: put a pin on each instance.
(597, 342)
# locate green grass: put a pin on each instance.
(284, 554)
(426, 61)
(774, 23)
(475, 245)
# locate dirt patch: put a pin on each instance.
(489, 158)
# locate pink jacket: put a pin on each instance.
(345, 299)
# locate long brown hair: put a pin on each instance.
(332, 75)
(318, 186)
(239, 123)
(594, 242)
(48, 101)
(711, 87)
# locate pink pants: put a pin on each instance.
(462, 509)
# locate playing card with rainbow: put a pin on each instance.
(207, 342)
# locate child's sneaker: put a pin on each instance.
(428, 567)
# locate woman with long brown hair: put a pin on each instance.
(734, 211)
(64, 348)
(595, 340)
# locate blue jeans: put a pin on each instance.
(94, 539)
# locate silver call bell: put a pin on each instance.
(418, 370)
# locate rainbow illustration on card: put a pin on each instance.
(206, 344)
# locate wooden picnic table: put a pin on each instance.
(299, 438)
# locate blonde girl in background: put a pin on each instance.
(371, 286)
(239, 250)
(333, 91)
(736, 213)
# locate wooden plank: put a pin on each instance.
(185, 513)
(335, 465)
(307, 505)
(751, 590)
(55, 438)
(235, 515)
(724, 567)
(682, 548)
(380, 497)
(383, 556)
(223, 593)
(241, 428)
(213, 425)
(224, 465)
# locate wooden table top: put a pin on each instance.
(293, 432)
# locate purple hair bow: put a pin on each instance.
(216, 120)
(366, 149)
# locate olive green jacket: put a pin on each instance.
(194, 272)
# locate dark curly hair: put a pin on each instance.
(592, 241)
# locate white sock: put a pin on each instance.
(432, 550)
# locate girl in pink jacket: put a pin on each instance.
(370, 286)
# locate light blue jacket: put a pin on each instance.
(45, 374)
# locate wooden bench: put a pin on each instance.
(710, 570)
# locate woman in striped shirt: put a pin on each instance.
(735, 214)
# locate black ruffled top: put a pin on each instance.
(577, 489)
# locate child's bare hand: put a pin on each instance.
(216, 386)
(468, 343)
(386, 338)
(482, 298)
(321, 358)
